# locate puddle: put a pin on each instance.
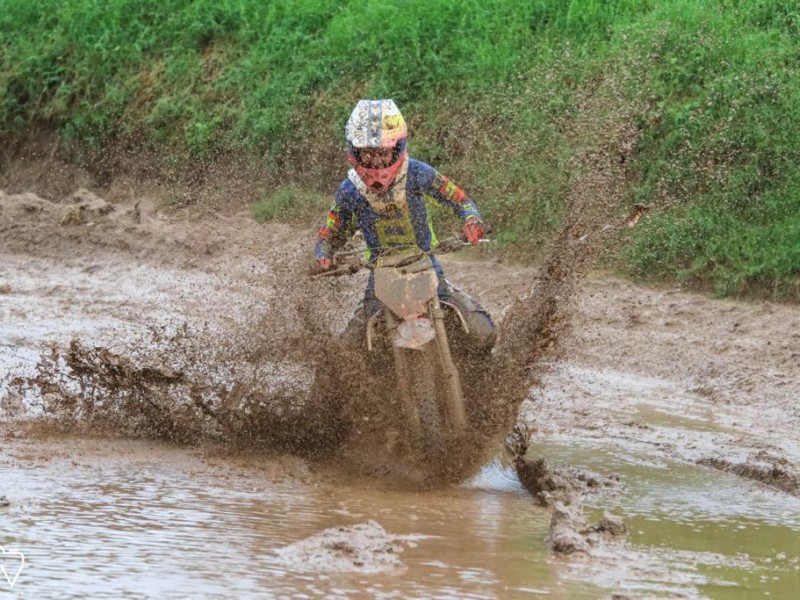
(717, 535)
(115, 518)
(138, 520)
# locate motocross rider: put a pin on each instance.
(384, 196)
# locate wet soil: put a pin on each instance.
(685, 376)
(124, 319)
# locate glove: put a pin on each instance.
(321, 265)
(473, 230)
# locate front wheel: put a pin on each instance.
(425, 379)
(450, 379)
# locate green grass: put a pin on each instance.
(720, 151)
(495, 93)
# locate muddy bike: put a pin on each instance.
(410, 325)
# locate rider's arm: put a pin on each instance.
(339, 226)
(446, 192)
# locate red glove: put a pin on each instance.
(321, 265)
(473, 230)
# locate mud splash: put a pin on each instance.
(216, 357)
(532, 327)
(535, 326)
(187, 382)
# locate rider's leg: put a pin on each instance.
(482, 332)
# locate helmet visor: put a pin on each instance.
(375, 158)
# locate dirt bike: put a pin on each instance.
(412, 320)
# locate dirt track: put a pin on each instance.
(161, 304)
(729, 372)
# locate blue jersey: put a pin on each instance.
(394, 226)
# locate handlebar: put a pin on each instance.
(343, 267)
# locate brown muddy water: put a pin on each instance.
(110, 519)
(105, 518)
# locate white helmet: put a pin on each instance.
(377, 124)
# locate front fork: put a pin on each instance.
(455, 395)
(402, 372)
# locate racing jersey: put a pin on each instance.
(392, 220)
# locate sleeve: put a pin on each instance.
(446, 192)
(339, 226)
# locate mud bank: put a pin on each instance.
(682, 376)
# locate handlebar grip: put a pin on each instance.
(338, 271)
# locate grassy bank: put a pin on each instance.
(501, 95)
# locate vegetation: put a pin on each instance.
(496, 94)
